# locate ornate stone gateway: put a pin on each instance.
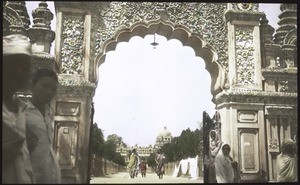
(254, 75)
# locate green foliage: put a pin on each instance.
(106, 149)
(184, 146)
(97, 141)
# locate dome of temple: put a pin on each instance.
(164, 133)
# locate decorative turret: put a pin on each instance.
(41, 34)
(287, 21)
(266, 30)
(286, 34)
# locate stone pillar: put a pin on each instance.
(241, 112)
(75, 94)
(244, 46)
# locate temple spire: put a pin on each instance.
(41, 34)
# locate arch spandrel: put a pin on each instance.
(181, 33)
(204, 19)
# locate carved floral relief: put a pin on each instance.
(245, 55)
(72, 45)
(205, 19)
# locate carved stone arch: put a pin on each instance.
(170, 31)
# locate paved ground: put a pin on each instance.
(123, 178)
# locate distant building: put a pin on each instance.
(144, 152)
(163, 137)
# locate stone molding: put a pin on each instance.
(255, 97)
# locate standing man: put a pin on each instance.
(16, 166)
(39, 127)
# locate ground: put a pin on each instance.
(123, 177)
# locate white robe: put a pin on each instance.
(287, 168)
(224, 170)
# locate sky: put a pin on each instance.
(141, 90)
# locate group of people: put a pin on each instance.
(27, 124)
(135, 165)
(227, 170)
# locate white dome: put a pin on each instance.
(165, 133)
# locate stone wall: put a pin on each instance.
(101, 167)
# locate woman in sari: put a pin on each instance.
(223, 166)
(287, 170)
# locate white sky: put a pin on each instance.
(141, 89)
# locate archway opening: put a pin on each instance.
(141, 90)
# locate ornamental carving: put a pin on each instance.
(205, 19)
(72, 45)
(252, 96)
(70, 84)
(245, 55)
(273, 144)
(12, 22)
(244, 6)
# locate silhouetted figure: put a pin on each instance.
(16, 166)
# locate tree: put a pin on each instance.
(97, 141)
(110, 153)
(184, 146)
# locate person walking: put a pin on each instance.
(287, 170)
(223, 166)
(133, 159)
(143, 167)
(39, 127)
(159, 159)
(17, 55)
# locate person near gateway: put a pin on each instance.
(17, 55)
(287, 169)
(223, 166)
(39, 127)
